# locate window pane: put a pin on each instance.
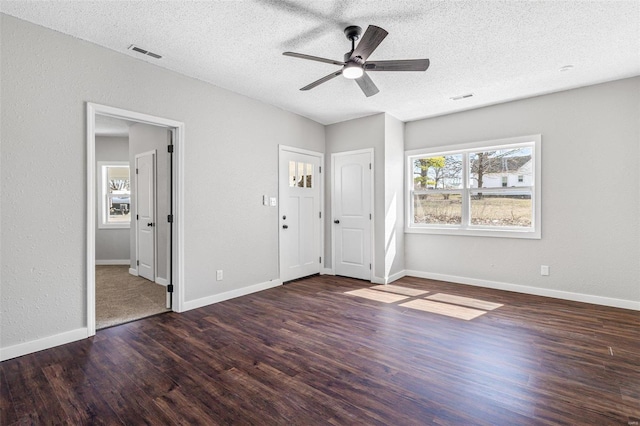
(118, 178)
(440, 172)
(309, 176)
(513, 210)
(440, 209)
(501, 168)
(119, 208)
(301, 175)
(118, 198)
(292, 173)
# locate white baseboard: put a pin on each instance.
(133, 272)
(537, 291)
(327, 271)
(113, 262)
(162, 281)
(42, 344)
(209, 300)
(388, 280)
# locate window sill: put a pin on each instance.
(492, 233)
(114, 226)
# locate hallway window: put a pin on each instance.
(114, 195)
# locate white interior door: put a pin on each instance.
(352, 213)
(300, 218)
(145, 210)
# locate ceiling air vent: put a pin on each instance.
(457, 98)
(144, 52)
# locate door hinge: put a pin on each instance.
(170, 149)
(170, 288)
(136, 170)
(369, 166)
(319, 215)
(137, 263)
(137, 217)
(320, 259)
(170, 218)
(369, 216)
(320, 169)
(369, 266)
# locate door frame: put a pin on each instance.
(177, 190)
(372, 175)
(154, 153)
(320, 155)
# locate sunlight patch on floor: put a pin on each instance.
(465, 308)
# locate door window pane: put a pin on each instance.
(292, 173)
(309, 176)
(300, 175)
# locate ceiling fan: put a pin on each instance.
(355, 64)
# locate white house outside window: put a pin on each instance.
(487, 188)
(114, 199)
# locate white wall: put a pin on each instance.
(590, 194)
(231, 160)
(111, 244)
(394, 197)
(144, 138)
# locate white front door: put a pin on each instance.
(145, 211)
(300, 218)
(352, 213)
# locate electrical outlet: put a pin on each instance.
(544, 270)
(273, 201)
(219, 275)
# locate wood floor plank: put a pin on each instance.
(465, 301)
(378, 296)
(307, 353)
(444, 309)
(407, 291)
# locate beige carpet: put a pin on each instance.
(122, 297)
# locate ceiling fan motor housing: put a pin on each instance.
(353, 32)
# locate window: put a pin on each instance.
(485, 189)
(114, 195)
(304, 176)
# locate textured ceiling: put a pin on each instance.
(498, 50)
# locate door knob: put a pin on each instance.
(285, 226)
(150, 224)
(336, 221)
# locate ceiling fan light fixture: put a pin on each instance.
(352, 71)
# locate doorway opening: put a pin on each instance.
(114, 199)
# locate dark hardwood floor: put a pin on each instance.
(306, 353)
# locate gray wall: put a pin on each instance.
(144, 138)
(231, 160)
(111, 244)
(590, 193)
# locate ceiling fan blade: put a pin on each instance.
(313, 58)
(322, 80)
(369, 42)
(367, 85)
(399, 65)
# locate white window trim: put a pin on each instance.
(100, 173)
(531, 233)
